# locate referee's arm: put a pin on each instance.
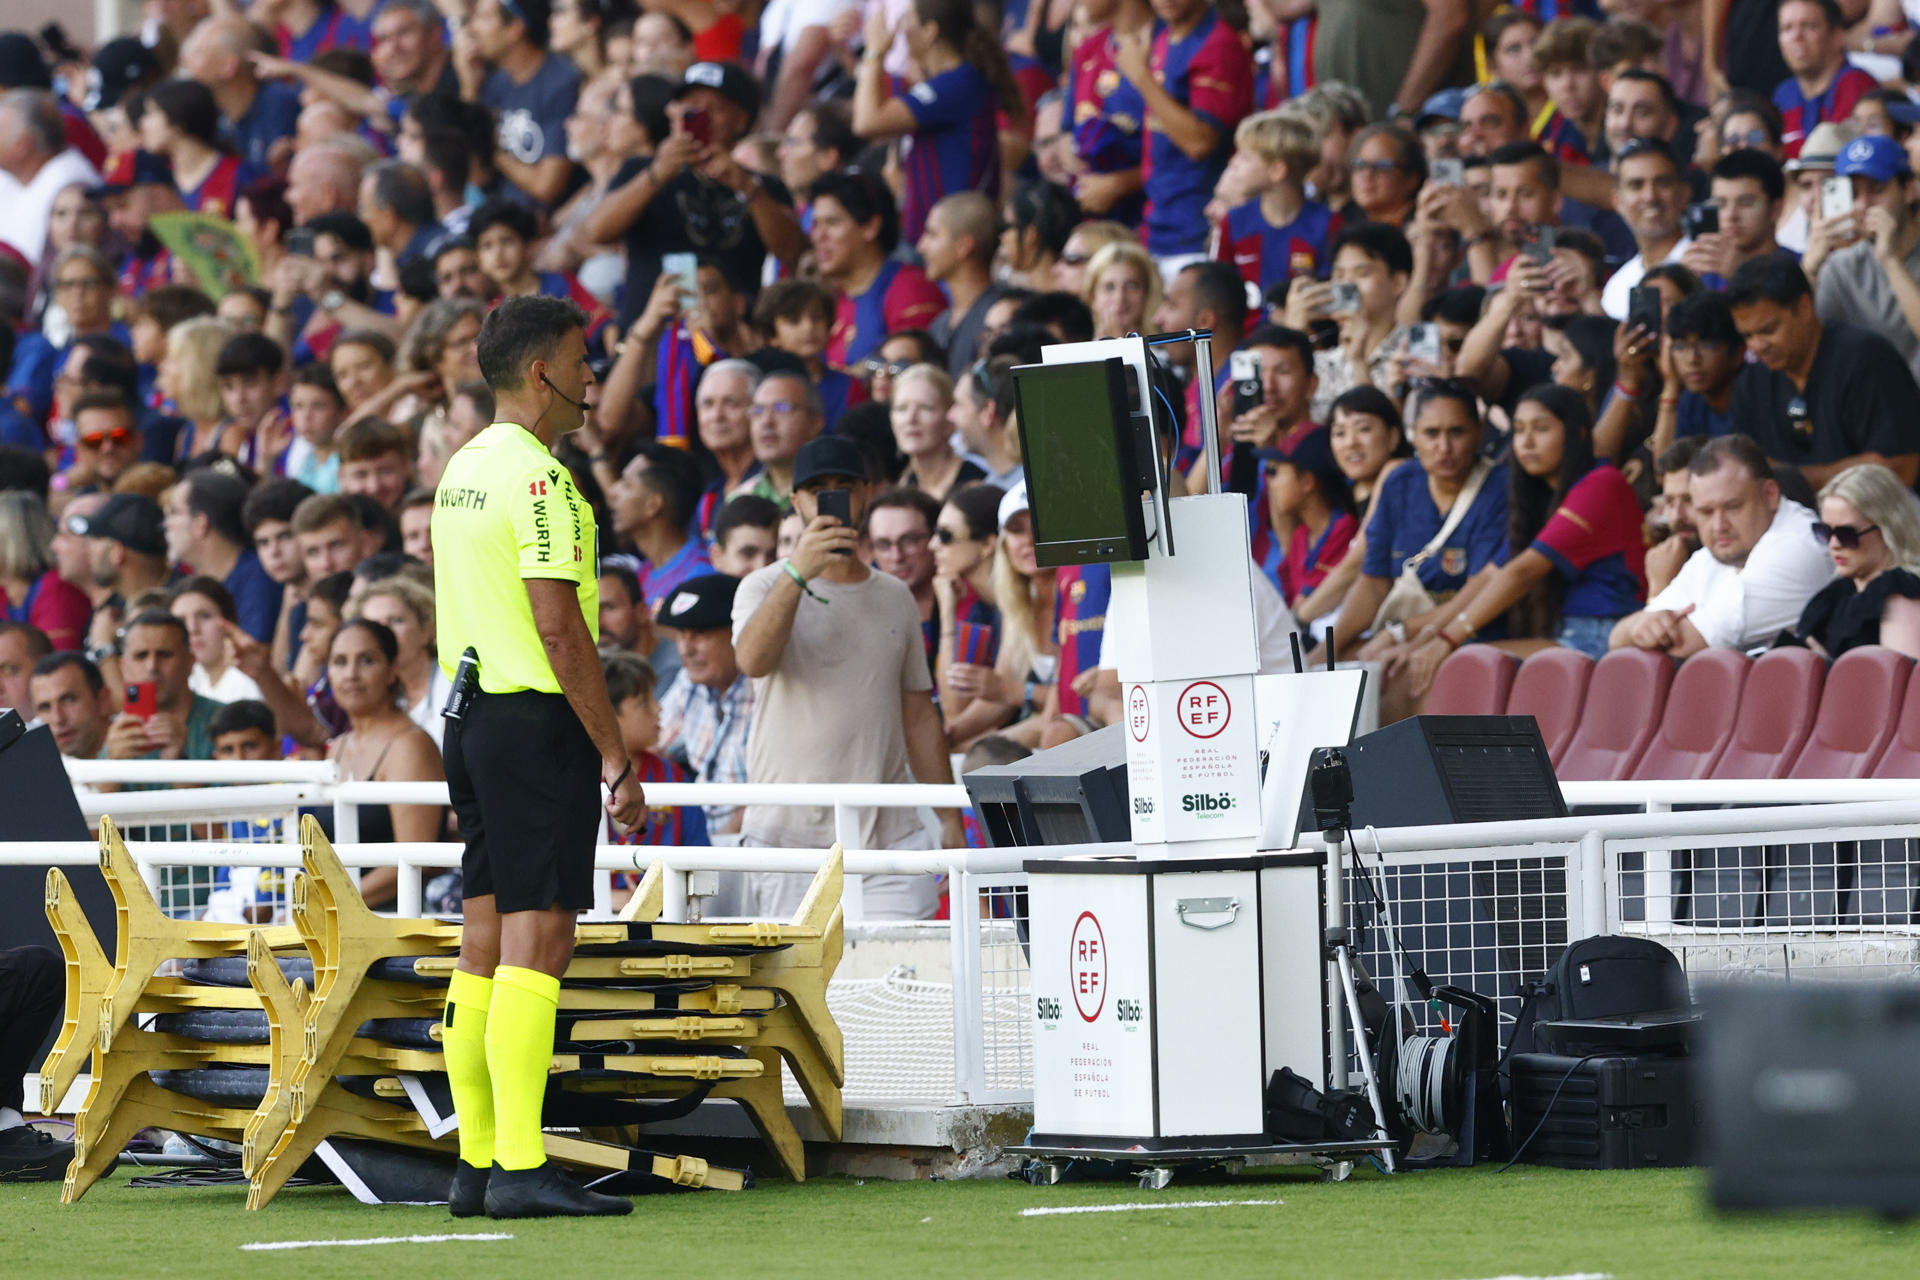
(576, 664)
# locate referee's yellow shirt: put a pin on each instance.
(506, 510)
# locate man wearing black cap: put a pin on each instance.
(706, 713)
(692, 198)
(501, 57)
(128, 550)
(119, 66)
(36, 164)
(841, 691)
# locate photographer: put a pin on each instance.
(1371, 267)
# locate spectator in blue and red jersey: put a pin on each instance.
(1106, 113)
(855, 231)
(965, 536)
(1196, 78)
(1210, 296)
(1821, 86)
(304, 28)
(83, 286)
(949, 117)
(504, 233)
(181, 121)
(652, 508)
(636, 712)
(796, 316)
(1279, 233)
(257, 117)
(672, 349)
(1571, 131)
(1506, 48)
(1283, 67)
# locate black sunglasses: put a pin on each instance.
(1848, 536)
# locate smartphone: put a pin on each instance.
(1538, 245)
(837, 503)
(300, 242)
(1243, 368)
(1703, 219)
(698, 125)
(1447, 172)
(1836, 197)
(685, 268)
(1346, 298)
(1423, 343)
(1643, 309)
(143, 699)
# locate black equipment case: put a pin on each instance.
(1609, 1113)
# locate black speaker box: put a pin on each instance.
(37, 803)
(1434, 770)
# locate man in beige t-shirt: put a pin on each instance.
(841, 693)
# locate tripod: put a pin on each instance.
(1339, 952)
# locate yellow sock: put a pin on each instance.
(520, 1056)
(463, 1037)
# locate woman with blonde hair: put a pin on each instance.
(1018, 688)
(1123, 288)
(1870, 528)
(1087, 239)
(31, 588)
(187, 376)
(922, 395)
(405, 608)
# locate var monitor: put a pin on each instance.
(1080, 445)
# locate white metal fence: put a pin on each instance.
(1822, 881)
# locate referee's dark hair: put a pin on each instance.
(89, 672)
(519, 331)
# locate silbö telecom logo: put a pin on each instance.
(1207, 806)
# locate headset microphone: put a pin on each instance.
(581, 405)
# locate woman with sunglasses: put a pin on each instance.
(965, 540)
(1580, 563)
(31, 588)
(899, 353)
(1389, 167)
(1868, 525)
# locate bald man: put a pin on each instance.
(258, 117)
(958, 243)
(325, 179)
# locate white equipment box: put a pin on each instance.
(1155, 1021)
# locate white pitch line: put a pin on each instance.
(1128, 1208)
(1575, 1275)
(265, 1245)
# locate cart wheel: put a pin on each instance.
(1155, 1178)
(1338, 1171)
(1043, 1173)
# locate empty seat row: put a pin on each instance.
(1719, 714)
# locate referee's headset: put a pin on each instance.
(581, 405)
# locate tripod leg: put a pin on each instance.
(1344, 959)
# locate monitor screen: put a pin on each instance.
(1081, 482)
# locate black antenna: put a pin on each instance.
(1299, 664)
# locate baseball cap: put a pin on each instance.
(700, 604)
(119, 65)
(1014, 503)
(131, 519)
(1313, 454)
(825, 456)
(132, 169)
(1822, 147)
(1444, 105)
(1872, 156)
(728, 80)
(21, 66)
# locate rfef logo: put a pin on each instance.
(1203, 709)
(1139, 713)
(1088, 966)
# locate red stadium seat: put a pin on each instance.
(1702, 708)
(1901, 759)
(1622, 713)
(1859, 709)
(1552, 687)
(1473, 681)
(1776, 715)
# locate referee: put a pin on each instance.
(517, 585)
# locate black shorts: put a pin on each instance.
(524, 778)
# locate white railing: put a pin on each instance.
(1578, 876)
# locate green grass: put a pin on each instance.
(1449, 1225)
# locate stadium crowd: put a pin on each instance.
(1590, 323)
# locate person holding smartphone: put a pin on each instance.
(163, 719)
(841, 689)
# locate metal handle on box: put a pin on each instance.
(1229, 907)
